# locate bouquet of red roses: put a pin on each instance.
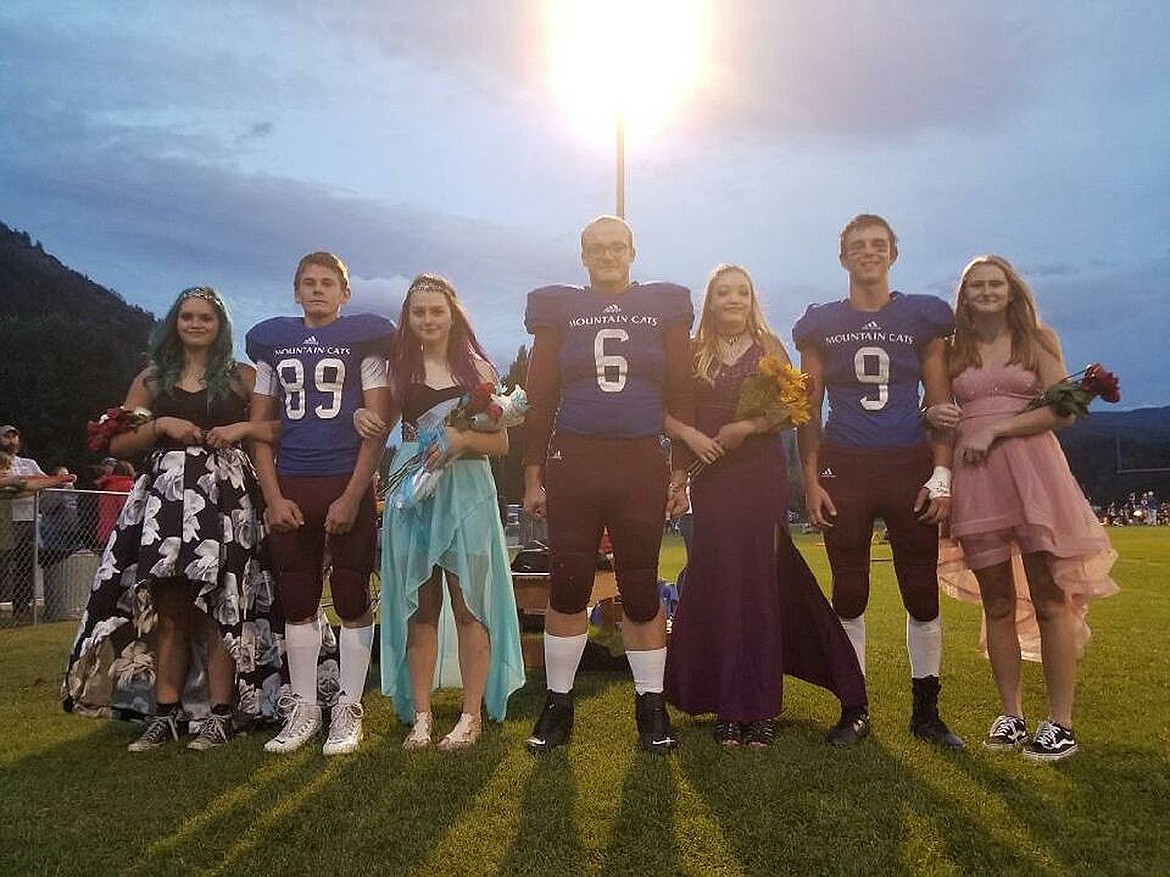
(487, 408)
(1072, 395)
(114, 421)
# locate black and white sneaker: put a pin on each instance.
(554, 725)
(161, 729)
(655, 733)
(1051, 743)
(1007, 732)
(215, 731)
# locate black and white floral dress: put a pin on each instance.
(194, 514)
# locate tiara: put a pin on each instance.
(202, 292)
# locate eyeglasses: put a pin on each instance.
(616, 249)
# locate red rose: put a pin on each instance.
(480, 397)
(495, 411)
(1101, 383)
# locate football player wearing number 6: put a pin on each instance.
(609, 361)
(315, 371)
(870, 352)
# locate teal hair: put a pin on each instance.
(166, 350)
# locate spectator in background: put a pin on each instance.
(114, 485)
(18, 568)
(60, 533)
(16, 545)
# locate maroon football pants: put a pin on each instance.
(299, 556)
(603, 483)
(870, 483)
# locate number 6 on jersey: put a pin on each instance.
(610, 363)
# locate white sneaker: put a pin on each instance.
(302, 721)
(420, 733)
(345, 728)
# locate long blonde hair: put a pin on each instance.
(704, 345)
(1029, 336)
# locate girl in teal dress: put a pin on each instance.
(454, 534)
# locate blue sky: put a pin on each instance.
(156, 146)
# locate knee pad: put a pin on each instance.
(639, 590)
(300, 595)
(849, 602)
(923, 606)
(571, 581)
(351, 593)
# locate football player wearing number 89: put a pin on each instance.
(608, 362)
(315, 371)
(870, 352)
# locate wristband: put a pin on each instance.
(938, 486)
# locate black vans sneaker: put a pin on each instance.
(1051, 743)
(1007, 732)
(554, 725)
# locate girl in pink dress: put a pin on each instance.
(1019, 518)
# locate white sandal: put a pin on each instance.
(420, 733)
(465, 733)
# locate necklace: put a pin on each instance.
(731, 347)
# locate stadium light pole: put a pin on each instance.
(620, 175)
(614, 61)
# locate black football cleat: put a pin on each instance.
(654, 731)
(925, 723)
(851, 728)
(554, 725)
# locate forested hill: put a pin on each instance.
(70, 349)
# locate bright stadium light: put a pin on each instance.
(627, 64)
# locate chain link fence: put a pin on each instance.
(50, 548)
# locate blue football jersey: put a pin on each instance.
(319, 374)
(612, 354)
(872, 366)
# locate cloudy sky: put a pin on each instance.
(156, 146)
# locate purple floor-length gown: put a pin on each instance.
(751, 610)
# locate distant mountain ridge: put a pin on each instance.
(71, 348)
(1109, 450)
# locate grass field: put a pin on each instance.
(73, 801)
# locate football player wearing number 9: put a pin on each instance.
(608, 362)
(316, 370)
(873, 459)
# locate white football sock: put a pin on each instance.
(924, 645)
(355, 660)
(562, 654)
(303, 642)
(648, 667)
(855, 630)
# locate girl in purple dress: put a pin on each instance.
(1015, 504)
(751, 610)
